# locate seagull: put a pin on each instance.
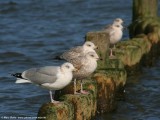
(115, 32)
(48, 77)
(75, 52)
(118, 21)
(85, 66)
(79, 56)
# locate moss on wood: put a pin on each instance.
(144, 8)
(58, 111)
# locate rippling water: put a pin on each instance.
(33, 32)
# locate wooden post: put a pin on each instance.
(108, 74)
(144, 15)
(101, 39)
(144, 8)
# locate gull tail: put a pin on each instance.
(20, 79)
(17, 75)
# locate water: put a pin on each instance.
(33, 32)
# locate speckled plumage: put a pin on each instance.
(78, 51)
(85, 66)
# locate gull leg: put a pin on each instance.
(83, 91)
(51, 97)
(81, 86)
(111, 56)
(75, 86)
(111, 53)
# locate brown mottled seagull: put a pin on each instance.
(85, 66)
(79, 51)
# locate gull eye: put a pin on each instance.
(67, 66)
(92, 55)
(89, 45)
(117, 26)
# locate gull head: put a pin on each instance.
(92, 56)
(117, 26)
(89, 45)
(118, 21)
(68, 67)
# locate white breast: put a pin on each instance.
(116, 36)
(63, 80)
(86, 69)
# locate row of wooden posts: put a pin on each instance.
(107, 84)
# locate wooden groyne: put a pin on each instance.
(107, 84)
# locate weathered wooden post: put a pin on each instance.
(110, 74)
(144, 13)
(144, 9)
(145, 21)
(101, 39)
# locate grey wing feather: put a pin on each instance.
(72, 53)
(41, 75)
(109, 29)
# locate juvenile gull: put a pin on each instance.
(48, 77)
(78, 51)
(118, 21)
(85, 66)
(115, 32)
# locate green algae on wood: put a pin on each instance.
(131, 51)
(106, 101)
(82, 105)
(62, 110)
(111, 81)
(144, 8)
(114, 63)
(144, 26)
(89, 85)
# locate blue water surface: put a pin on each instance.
(33, 32)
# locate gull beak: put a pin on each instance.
(96, 47)
(97, 58)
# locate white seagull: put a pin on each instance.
(115, 32)
(48, 77)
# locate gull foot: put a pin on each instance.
(55, 102)
(84, 92)
(112, 57)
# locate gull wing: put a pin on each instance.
(72, 53)
(47, 74)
